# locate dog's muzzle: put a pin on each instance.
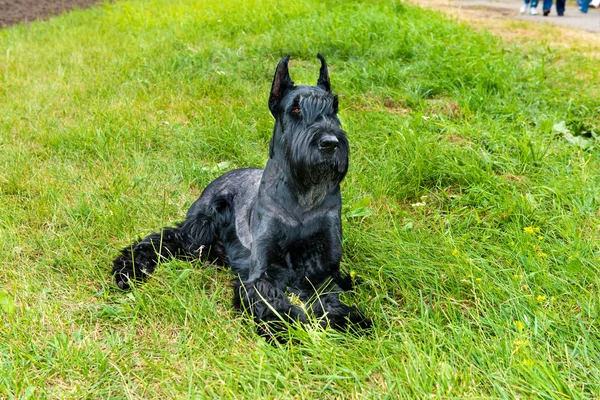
(328, 144)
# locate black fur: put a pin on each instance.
(278, 229)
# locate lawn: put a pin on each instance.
(471, 215)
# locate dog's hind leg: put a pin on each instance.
(189, 240)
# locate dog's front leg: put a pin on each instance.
(269, 305)
(335, 313)
(262, 294)
(266, 302)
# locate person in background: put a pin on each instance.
(560, 7)
(533, 7)
(583, 5)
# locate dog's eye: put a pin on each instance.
(295, 111)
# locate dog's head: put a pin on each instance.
(308, 135)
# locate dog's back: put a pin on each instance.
(240, 187)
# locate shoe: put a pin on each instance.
(533, 11)
(546, 13)
(523, 9)
(562, 14)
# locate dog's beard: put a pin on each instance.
(316, 174)
(312, 184)
(313, 171)
(329, 170)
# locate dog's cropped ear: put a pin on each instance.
(281, 84)
(323, 81)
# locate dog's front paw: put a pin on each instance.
(346, 317)
(296, 313)
(358, 320)
(276, 329)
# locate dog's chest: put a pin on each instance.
(307, 255)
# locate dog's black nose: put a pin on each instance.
(328, 144)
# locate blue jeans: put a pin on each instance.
(534, 3)
(560, 5)
(584, 5)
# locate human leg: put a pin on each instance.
(585, 4)
(533, 7)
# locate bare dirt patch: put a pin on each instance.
(15, 11)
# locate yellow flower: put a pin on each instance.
(541, 298)
(455, 252)
(519, 325)
(528, 362)
(352, 274)
(518, 344)
(478, 279)
(531, 229)
(540, 238)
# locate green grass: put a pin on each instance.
(472, 223)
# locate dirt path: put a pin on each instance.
(15, 11)
(509, 9)
(573, 32)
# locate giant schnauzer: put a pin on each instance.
(279, 229)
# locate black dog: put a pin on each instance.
(278, 229)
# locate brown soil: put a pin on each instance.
(15, 11)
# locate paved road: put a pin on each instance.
(510, 8)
